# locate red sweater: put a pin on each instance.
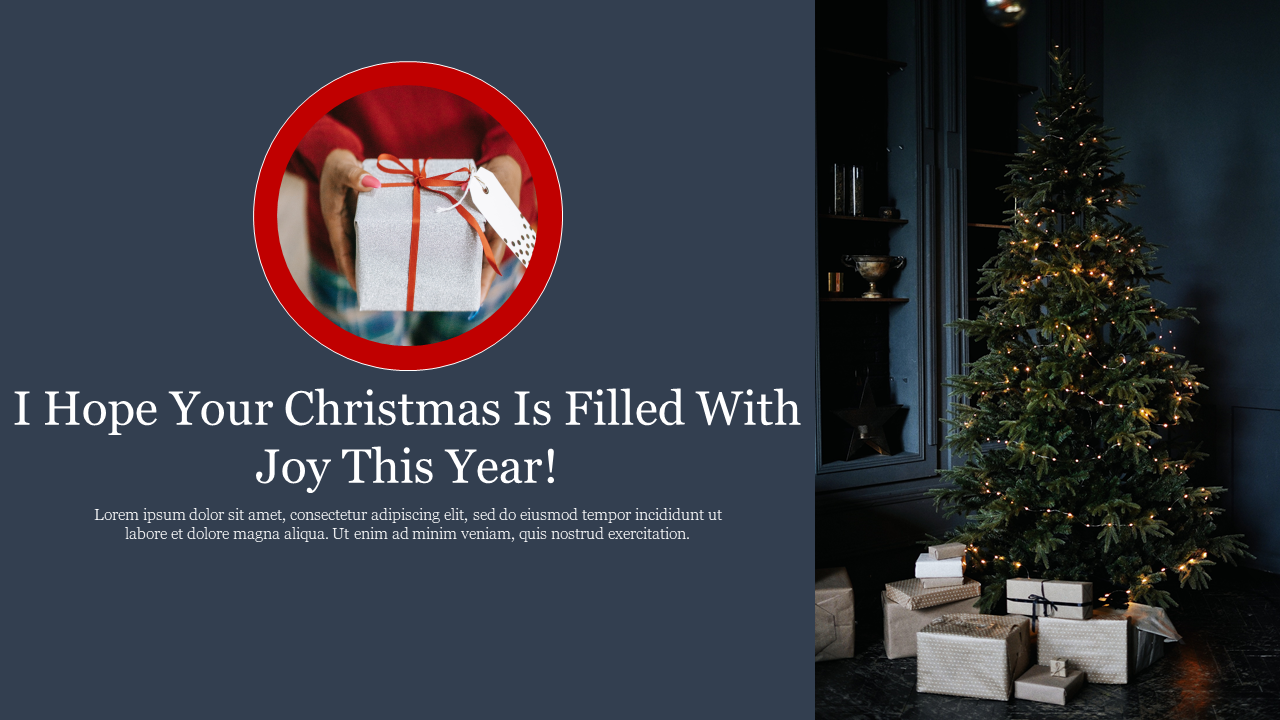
(409, 122)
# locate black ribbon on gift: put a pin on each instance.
(1037, 600)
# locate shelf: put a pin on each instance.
(988, 225)
(894, 64)
(863, 300)
(869, 114)
(993, 152)
(1017, 87)
(869, 459)
(861, 218)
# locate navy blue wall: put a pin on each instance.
(1193, 94)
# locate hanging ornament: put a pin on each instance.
(1004, 13)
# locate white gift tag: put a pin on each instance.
(497, 208)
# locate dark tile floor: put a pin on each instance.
(1228, 669)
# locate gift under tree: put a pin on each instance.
(1070, 473)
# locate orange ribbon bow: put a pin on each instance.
(420, 180)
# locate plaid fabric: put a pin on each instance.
(433, 327)
(335, 299)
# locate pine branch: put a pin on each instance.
(1062, 423)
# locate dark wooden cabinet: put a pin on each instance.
(926, 96)
(870, 79)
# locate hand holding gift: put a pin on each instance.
(412, 122)
(341, 179)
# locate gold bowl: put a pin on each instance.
(873, 268)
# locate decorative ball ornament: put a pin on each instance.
(1004, 13)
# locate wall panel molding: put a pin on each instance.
(1255, 464)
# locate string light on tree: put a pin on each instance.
(1068, 469)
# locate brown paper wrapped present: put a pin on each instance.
(1039, 684)
(901, 624)
(972, 655)
(1099, 647)
(832, 615)
(948, 550)
(913, 595)
(1112, 646)
(932, 583)
(1049, 598)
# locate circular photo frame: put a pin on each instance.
(445, 352)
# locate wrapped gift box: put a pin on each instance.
(1151, 630)
(932, 583)
(972, 655)
(832, 615)
(948, 550)
(1040, 685)
(913, 595)
(449, 255)
(946, 568)
(1114, 645)
(1049, 598)
(901, 624)
(1099, 647)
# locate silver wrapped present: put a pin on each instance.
(443, 272)
(972, 655)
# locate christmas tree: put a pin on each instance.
(1070, 472)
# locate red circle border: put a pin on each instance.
(474, 341)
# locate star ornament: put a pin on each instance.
(867, 422)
